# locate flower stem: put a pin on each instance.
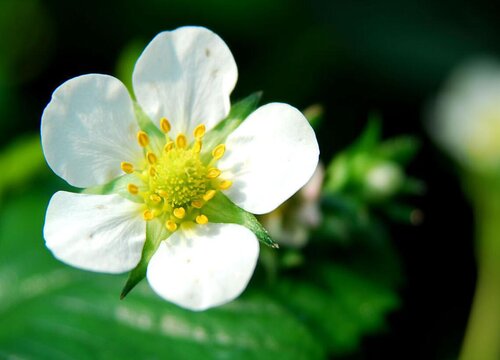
(482, 337)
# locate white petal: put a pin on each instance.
(203, 267)
(269, 157)
(185, 75)
(88, 129)
(95, 232)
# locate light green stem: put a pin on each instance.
(482, 338)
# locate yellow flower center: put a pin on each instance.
(175, 183)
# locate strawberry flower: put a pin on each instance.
(161, 175)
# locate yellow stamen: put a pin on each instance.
(225, 184)
(168, 146)
(165, 125)
(179, 212)
(163, 194)
(155, 198)
(127, 167)
(212, 173)
(181, 141)
(219, 151)
(197, 204)
(152, 171)
(209, 195)
(199, 131)
(201, 219)
(147, 215)
(142, 138)
(197, 146)
(133, 189)
(171, 226)
(151, 157)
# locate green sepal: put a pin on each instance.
(237, 115)
(116, 186)
(155, 234)
(222, 210)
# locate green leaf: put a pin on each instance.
(52, 311)
(237, 115)
(155, 233)
(23, 159)
(371, 135)
(342, 300)
(401, 149)
(222, 210)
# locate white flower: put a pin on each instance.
(466, 117)
(90, 136)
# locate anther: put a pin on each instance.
(212, 173)
(171, 225)
(152, 171)
(209, 195)
(147, 215)
(142, 138)
(197, 146)
(152, 159)
(201, 219)
(165, 125)
(197, 204)
(225, 184)
(127, 167)
(219, 151)
(179, 213)
(163, 194)
(133, 189)
(199, 131)
(168, 146)
(181, 141)
(155, 198)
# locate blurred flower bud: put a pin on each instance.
(383, 180)
(291, 223)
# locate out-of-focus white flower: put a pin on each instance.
(91, 135)
(291, 223)
(466, 116)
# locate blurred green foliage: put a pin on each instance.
(349, 56)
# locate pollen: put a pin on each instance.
(212, 173)
(197, 204)
(155, 198)
(175, 181)
(151, 157)
(181, 141)
(197, 146)
(209, 195)
(147, 215)
(168, 146)
(179, 213)
(171, 225)
(133, 189)
(142, 139)
(165, 125)
(127, 167)
(225, 184)
(219, 151)
(201, 219)
(199, 131)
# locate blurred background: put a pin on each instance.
(354, 58)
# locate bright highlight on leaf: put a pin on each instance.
(176, 179)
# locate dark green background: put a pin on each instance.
(353, 57)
